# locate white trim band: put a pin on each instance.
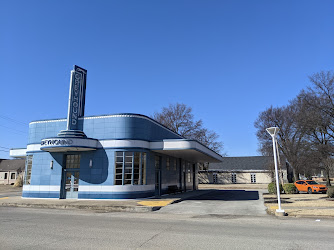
(166, 145)
(91, 188)
(41, 188)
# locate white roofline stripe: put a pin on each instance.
(162, 145)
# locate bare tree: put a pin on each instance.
(208, 138)
(319, 118)
(179, 118)
(323, 88)
(291, 140)
(328, 166)
(306, 136)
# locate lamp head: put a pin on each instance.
(273, 131)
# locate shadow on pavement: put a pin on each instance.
(227, 195)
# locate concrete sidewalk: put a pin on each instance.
(119, 205)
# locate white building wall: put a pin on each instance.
(241, 177)
(8, 180)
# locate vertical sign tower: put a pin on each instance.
(76, 103)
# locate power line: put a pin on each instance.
(14, 129)
(4, 150)
(4, 147)
(13, 120)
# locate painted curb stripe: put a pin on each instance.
(155, 203)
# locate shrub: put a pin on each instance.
(19, 181)
(289, 188)
(330, 192)
(272, 188)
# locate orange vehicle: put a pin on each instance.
(310, 187)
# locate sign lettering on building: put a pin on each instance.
(56, 142)
(76, 104)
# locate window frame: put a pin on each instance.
(168, 163)
(136, 169)
(233, 178)
(215, 178)
(73, 161)
(253, 177)
(28, 170)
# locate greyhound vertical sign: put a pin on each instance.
(76, 102)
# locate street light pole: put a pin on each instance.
(273, 132)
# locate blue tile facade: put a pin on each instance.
(97, 168)
(105, 127)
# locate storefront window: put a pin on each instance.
(27, 177)
(72, 161)
(188, 172)
(130, 168)
(136, 168)
(168, 163)
(143, 169)
(118, 168)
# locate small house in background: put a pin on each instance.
(242, 170)
(10, 170)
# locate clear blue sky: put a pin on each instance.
(228, 60)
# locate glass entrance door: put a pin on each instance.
(72, 184)
(71, 174)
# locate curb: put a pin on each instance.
(100, 208)
(133, 209)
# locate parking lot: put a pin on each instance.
(221, 202)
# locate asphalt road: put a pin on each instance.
(9, 191)
(26, 228)
(221, 202)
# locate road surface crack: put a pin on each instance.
(154, 236)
